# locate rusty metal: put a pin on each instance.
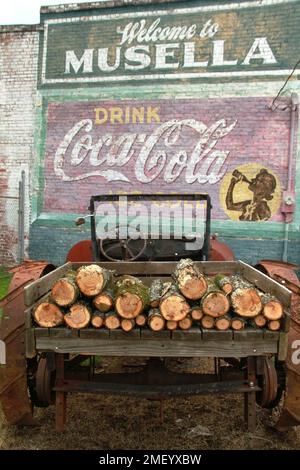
(285, 274)
(45, 379)
(219, 251)
(14, 397)
(268, 383)
(249, 398)
(60, 395)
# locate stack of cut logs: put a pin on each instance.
(90, 296)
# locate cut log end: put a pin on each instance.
(246, 302)
(223, 323)
(207, 322)
(112, 321)
(91, 279)
(238, 324)
(97, 320)
(155, 320)
(141, 320)
(260, 320)
(215, 304)
(127, 324)
(48, 315)
(274, 325)
(78, 316)
(196, 313)
(193, 288)
(174, 307)
(129, 305)
(273, 310)
(171, 325)
(103, 302)
(64, 292)
(185, 323)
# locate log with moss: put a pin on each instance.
(156, 322)
(104, 301)
(173, 306)
(272, 309)
(185, 323)
(131, 297)
(223, 323)
(48, 315)
(112, 321)
(189, 279)
(92, 279)
(78, 316)
(98, 319)
(64, 291)
(215, 302)
(157, 289)
(223, 283)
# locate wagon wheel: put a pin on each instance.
(42, 394)
(129, 252)
(268, 381)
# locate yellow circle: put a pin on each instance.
(240, 193)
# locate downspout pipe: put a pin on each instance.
(288, 200)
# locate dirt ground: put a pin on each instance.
(110, 422)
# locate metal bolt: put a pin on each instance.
(254, 350)
(251, 384)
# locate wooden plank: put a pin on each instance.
(282, 346)
(271, 335)
(158, 348)
(63, 332)
(286, 321)
(147, 334)
(119, 334)
(211, 268)
(266, 284)
(248, 335)
(36, 289)
(193, 334)
(41, 332)
(216, 335)
(136, 267)
(93, 333)
(30, 349)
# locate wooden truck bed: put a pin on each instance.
(195, 342)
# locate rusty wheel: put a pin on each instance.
(268, 382)
(44, 382)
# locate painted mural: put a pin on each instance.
(190, 41)
(234, 149)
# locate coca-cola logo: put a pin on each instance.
(163, 152)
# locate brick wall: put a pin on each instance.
(18, 77)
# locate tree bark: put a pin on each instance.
(189, 280)
(185, 323)
(173, 305)
(112, 321)
(207, 322)
(215, 302)
(157, 289)
(155, 320)
(65, 291)
(272, 308)
(127, 324)
(223, 323)
(104, 301)
(131, 297)
(246, 302)
(92, 279)
(98, 319)
(48, 315)
(78, 316)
